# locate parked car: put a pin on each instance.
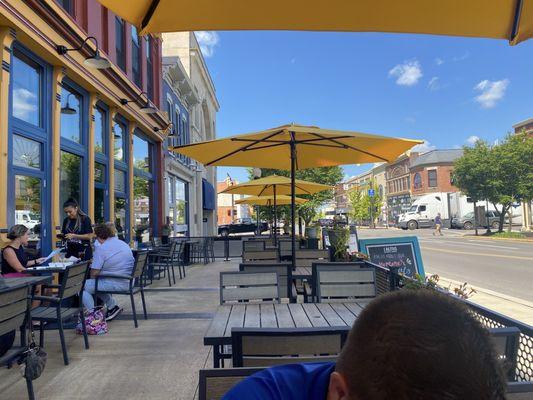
(467, 220)
(241, 225)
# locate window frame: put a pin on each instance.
(120, 52)
(430, 179)
(136, 58)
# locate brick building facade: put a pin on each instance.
(432, 172)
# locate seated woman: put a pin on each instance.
(14, 258)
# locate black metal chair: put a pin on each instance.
(164, 261)
(71, 285)
(14, 313)
(135, 283)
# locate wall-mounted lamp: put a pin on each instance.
(68, 109)
(146, 108)
(165, 129)
(95, 61)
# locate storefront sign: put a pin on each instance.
(402, 253)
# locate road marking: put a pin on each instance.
(491, 245)
(479, 254)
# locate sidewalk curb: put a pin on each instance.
(505, 297)
(497, 238)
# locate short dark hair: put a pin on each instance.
(17, 231)
(103, 231)
(420, 344)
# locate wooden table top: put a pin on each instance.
(15, 283)
(302, 273)
(306, 315)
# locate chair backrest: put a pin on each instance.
(519, 390)
(285, 247)
(249, 286)
(284, 272)
(261, 347)
(306, 257)
(506, 342)
(141, 257)
(13, 309)
(271, 255)
(73, 280)
(156, 241)
(215, 383)
(253, 245)
(345, 283)
(331, 265)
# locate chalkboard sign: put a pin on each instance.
(402, 253)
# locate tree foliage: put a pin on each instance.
(362, 206)
(501, 174)
(307, 211)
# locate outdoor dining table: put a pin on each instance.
(307, 315)
(15, 283)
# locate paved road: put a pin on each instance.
(502, 266)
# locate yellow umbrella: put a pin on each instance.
(498, 19)
(269, 200)
(297, 147)
(275, 185)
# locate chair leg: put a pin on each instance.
(167, 268)
(84, 329)
(174, 274)
(62, 337)
(144, 303)
(41, 334)
(133, 310)
(29, 386)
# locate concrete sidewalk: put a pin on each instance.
(158, 360)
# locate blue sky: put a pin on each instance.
(441, 89)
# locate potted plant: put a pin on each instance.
(339, 234)
(139, 230)
(165, 233)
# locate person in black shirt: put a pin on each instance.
(77, 231)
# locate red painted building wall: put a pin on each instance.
(444, 183)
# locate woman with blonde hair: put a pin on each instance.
(14, 258)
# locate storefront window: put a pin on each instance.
(28, 204)
(99, 130)
(119, 135)
(70, 178)
(120, 181)
(70, 115)
(135, 56)
(180, 204)
(26, 87)
(26, 153)
(142, 195)
(120, 217)
(141, 154)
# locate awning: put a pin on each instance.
(208, 195)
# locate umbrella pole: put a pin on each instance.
(275, 218)
(293, 200)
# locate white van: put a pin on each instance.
(26, 218)
(423, 211)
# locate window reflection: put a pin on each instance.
(120, 181)
(142, 202)
(26, 89)
(120, 217)
(99, 130)
(141, 154)
(119, 133)
(26, 153)
(28, 206)
(70, 115)
(70, 178)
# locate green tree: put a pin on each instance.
(308, 211)
(358, 205)
(501, 174)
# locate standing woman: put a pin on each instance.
(77, 230)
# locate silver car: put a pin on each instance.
(467, 220)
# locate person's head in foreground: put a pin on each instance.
(405, 345)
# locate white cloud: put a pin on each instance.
(207, 40)
(24, 103)
(410, 120)
(491, 92)
(424, 147)
(434, 83)
(472, 140)
(407, 74)
(439, 61)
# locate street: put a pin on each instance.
(501, 266)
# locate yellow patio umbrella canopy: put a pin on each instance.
(275, 185)
(269, 200)
(314, 147)
(498, 19)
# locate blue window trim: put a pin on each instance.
(80, 149)
(41, 134)
(152, 178)
(123, 166)
(103, 158)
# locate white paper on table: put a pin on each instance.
(53, 253)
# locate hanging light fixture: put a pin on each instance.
(147, 107)
(96, 61)
(68, 109)
(165, 129)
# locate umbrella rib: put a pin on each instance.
(268, 146)
(516, 21)
(325, 145)
(254, 140)
(242, 148)
(149, 14)
(350, 147)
